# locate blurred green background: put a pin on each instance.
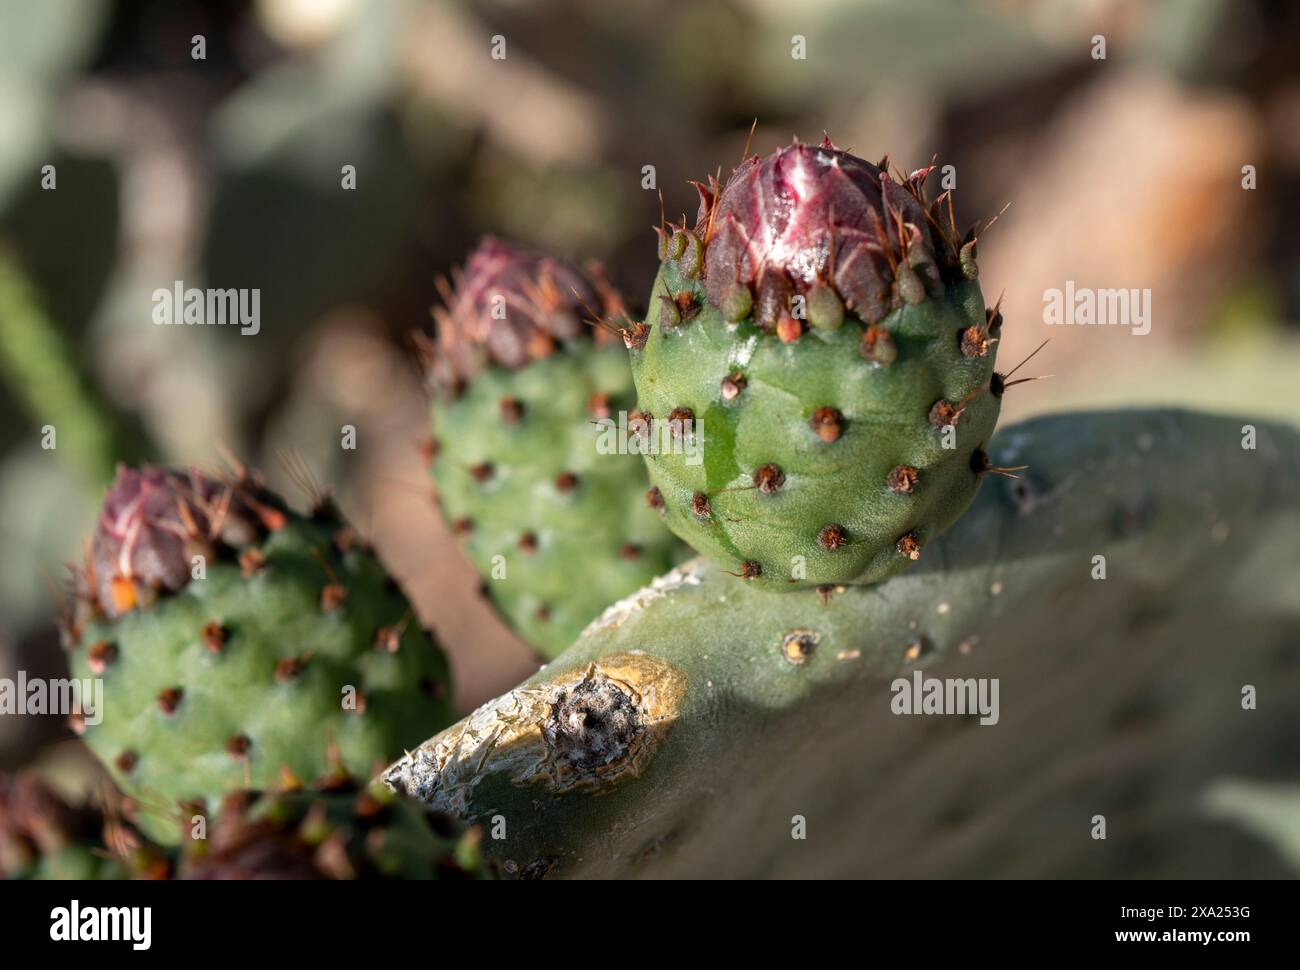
(225, 171)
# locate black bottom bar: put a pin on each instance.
(399, 921)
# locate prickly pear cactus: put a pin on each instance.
(235, 638)
(42, 836)
(815, 376)
(558, 529)
(704, 727)
(338, 829)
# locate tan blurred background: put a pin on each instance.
(1122, 171)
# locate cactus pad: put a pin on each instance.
(701, 723)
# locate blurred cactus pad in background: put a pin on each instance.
(471, 236)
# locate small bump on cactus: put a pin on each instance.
(558, 529)
(234, 638)
(822, 331)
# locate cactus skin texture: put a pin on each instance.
(42, 836)
(294, 640)
(338, 829)
(823, 328)
(515, 457)
(722, 712)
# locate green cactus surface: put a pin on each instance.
(815, 376)
(557, 529)
(843, 506)
(293, 647)
(1121, 592)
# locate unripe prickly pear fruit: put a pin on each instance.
(557, 529)
(42, 836)
(337, 829)
(233, 639)
(820, 340)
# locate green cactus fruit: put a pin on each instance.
(235, 638)
(42, 836)
(557, 528)
(817, 370)
(338, 829)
